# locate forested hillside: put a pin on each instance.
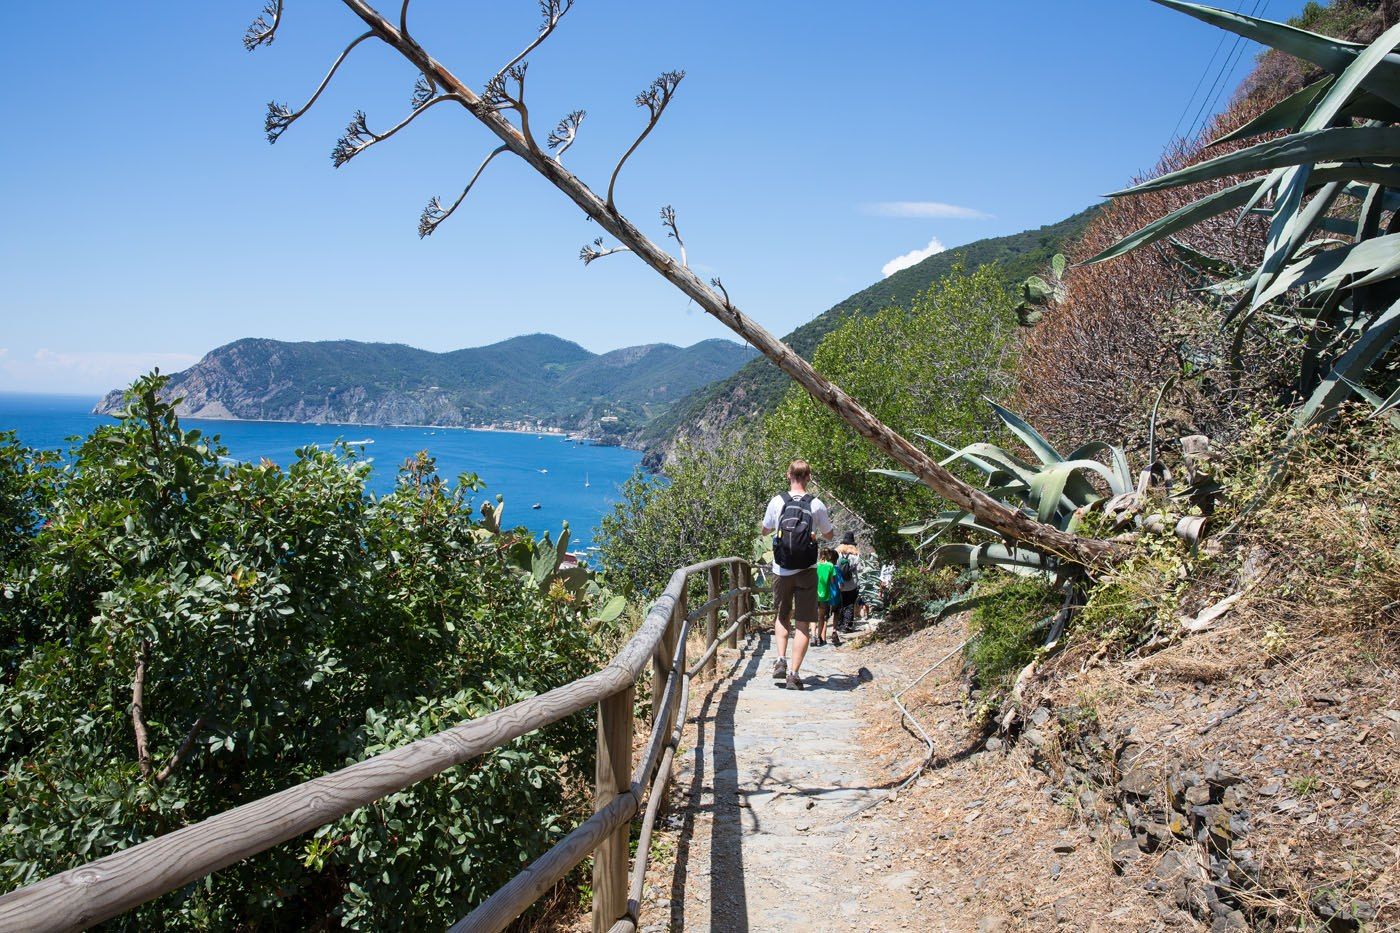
(759, 386)
(537, 378)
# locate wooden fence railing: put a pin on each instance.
(87, 895)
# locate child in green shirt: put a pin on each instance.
(826, 585)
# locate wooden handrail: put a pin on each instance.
(89, 894)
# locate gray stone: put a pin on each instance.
(1140, 782)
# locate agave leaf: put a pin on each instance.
(1007, 462)
(1201, 262)
(1050, 484)
(1330, 54)
(1329, 268)
(1221, 201)
(1341, 144)
(1390, 199)
(898, 474)
(985, 555)
(923, 527)
(1122, 479)
(1022, 429)
(1291, 226)
(1287, 114)
(1383, 406)
(1349, 367)
(977, 462)
(1058, 263)
(1374, 58)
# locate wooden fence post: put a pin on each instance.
(747, 604)
(736, 603)
(661, 658)
(712, 618)
(613, 776)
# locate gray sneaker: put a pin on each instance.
(794, 682)
(780, 669)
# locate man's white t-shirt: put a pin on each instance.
(821, 525)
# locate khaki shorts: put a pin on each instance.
(795, 596)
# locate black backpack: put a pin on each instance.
(795, 547)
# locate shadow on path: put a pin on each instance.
(726, 854)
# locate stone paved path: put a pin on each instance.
(772, 782)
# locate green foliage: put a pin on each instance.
(759, 386)
(1338, 295)
(284, 624)
(709, 503)
(922, 367)
(1139, 596)
(1006, 627)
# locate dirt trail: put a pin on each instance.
(773, 789)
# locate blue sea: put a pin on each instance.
(577, 483)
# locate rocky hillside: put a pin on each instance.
(536, 379)
(758, 386)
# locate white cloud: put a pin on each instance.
(912, 258)
(82, 371)
(924, 210)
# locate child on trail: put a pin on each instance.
(827, 584)
(833, 609)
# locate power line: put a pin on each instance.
(1218, 87)
(1199, 81)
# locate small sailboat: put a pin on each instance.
(535, 506)
(543, 470)
(586, 483)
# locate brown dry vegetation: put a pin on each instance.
(1091, 369)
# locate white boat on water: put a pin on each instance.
(543, 470)
(361, 443)
(586, 483)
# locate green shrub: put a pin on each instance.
(709, 504)
(924, 368)
(284, 624)
(1006, 627)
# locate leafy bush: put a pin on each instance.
(710, 503)
(925, 368)
(1006, 627)
(280, 624)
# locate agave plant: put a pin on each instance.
(1341, 144)
(1056, 491)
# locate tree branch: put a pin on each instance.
(654, 98)
(184, 750)
(260, 31)
(1009, 522)
(358, 136)
(565, 133)
(595, 250)
(495, 97)
(552, 11)
(279, 117)
(138, 711)
(668, 220)
(433, 214)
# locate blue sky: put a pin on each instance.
(147, 220)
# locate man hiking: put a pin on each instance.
(795, 518)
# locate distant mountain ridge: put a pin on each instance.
(536, 379)
(759, 385)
